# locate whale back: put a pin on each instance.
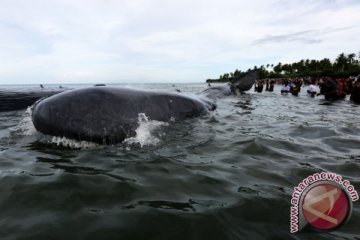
(109, 115)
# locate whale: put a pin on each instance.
(109, 115)
(235, 87)
(17, 100)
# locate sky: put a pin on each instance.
(127, 41)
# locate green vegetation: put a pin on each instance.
(343, 66)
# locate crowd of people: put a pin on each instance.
(331, 88)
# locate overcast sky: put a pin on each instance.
(87, 41)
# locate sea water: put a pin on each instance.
(227, 175)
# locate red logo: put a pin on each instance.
(325, 206)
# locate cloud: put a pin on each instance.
(65, 41)
(306, 37)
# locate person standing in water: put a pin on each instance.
(329, 89)
(271, 87)
(355, 94)
(295, 89)
(312, 89)
(259, 86)
(286, 88)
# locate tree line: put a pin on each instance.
(344, 65)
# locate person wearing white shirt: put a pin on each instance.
(312, 89)
(285, 88)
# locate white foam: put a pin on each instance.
(145, 132)
(66, 142)
(25, 126)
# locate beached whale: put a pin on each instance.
(110, 114)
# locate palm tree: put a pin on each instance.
(351, 57)
(237, 73)
(325, 64)
(278, 68)
(341, 61)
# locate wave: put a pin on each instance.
(145, 133)
(66, 142)
(25, 126)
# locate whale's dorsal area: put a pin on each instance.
(110, 114)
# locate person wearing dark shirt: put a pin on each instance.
(296, 88)
(271, 87)
(355, 94)
(329, 89)
(259, 86)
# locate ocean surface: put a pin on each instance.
(227, 175)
